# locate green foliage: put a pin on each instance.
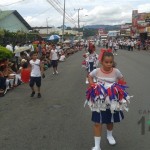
(18, 36)
(5, 53)
(89, 32)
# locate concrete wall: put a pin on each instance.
(13, 24)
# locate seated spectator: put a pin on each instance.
(2, 82)
(12, 76)
(4, 85)
(62, 57)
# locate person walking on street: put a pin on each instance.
(103, 109)
(54, 59)
(37, 72)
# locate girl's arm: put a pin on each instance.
(90, 79)
(122, 81)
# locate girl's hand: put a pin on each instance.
(122, 81)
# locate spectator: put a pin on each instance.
(9, 46)
(25, 73)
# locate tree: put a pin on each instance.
(5, 53)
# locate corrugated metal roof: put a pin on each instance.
(4, 14)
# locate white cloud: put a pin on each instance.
(144, 8)
(36, 12)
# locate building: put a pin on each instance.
(113, 34)
(125, 30)
(12, 21)
(46, 31)
(140, 24)
(102, 34)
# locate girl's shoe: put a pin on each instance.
(111, 140)
(96, 148)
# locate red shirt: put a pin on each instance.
(25, 75)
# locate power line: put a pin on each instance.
(68, 15)
(13, 3)
(59, 9)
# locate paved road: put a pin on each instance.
(58, 120)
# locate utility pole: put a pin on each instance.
(79, 16)
(63, 20)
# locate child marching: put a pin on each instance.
(91, 61)
(107, 98)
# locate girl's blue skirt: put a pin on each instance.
(106, 117)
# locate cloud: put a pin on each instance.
(144, 7)
(36, 12)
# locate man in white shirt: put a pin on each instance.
(54, 59)
(9, 46)
(17, 55)
(31, 46)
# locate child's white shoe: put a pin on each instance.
(87, 82)
(111, 140)
(96, 148)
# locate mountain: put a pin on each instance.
(105, 27)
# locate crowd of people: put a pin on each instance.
(20, 68)
(127, 44)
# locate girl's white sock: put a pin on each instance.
(109, 133)
(97, 142)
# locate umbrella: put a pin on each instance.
(53, 37)
(21, 49)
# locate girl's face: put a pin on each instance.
(107, 63)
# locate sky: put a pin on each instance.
(92, 12)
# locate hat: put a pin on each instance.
(23, 60)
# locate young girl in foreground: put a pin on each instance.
(102, 112)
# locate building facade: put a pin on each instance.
(12, 21)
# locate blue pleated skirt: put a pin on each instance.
(106, 117)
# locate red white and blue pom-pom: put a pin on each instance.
(114, 97)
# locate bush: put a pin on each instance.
(5, 53)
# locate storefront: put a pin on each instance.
(148, 32)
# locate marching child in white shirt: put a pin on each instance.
(36, 73)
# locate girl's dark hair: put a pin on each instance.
(25, 65)
(32, 53)
(90, 51)
(108, 54)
